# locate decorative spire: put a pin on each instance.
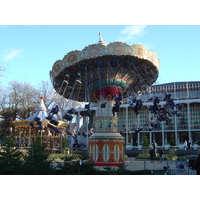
(41, 111)
(41, 106)
(101, 40)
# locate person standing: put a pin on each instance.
(161, 152)
(152, 153)
(185, 145)
(188, 145)
(197, 164)
(155, 146)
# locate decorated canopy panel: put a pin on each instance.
(102, 69)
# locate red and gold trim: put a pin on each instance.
(105, 91)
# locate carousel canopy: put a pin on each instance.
(102, 69)
(40, 115)
(41, 111)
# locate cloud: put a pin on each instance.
(132, 32)
(12, 53)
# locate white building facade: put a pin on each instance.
(181, 128)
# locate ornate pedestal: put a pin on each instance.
(106, 145)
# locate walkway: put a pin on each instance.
(172, 166)
(135, 164)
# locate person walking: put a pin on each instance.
(161, 152)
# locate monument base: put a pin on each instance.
(106, 149)
(108, 164)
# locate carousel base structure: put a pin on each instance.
(106, 149)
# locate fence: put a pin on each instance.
(181, 172)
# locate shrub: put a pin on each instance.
(120, 170)
(125, 157)
(170, 157)
(143, 156)
(65, 157)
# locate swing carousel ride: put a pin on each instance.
(105, 74)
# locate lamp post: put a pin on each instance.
(80, 164)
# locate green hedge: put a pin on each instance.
(165, 157)
(65, 157)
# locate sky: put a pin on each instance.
(29, 51)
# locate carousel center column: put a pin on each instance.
(106, 145)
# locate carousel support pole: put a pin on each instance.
(26, 137)
(127, 128)
(138, 134)
(61, 145)
(20, 138)
(150, 138)
(33, 135)
(50, 144)
(87, 120)
(41, 136)
(29, 136)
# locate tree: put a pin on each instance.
(19, 97)
(36, 162)
(10, 156)
(145, 141)
(2, 69)
(6, 124)
(145, 144)
(19, 100)
(172, 141)
(65, 104)
(75, 168)
(45, 89)
(23, 96)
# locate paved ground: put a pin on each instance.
(136, 165)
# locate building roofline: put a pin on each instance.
(177, 83)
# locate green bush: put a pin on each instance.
(125, 157)
(169, 157)
(143, 156)
(65, 157)
(74, 168)
(120, 170)
(165, 156)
